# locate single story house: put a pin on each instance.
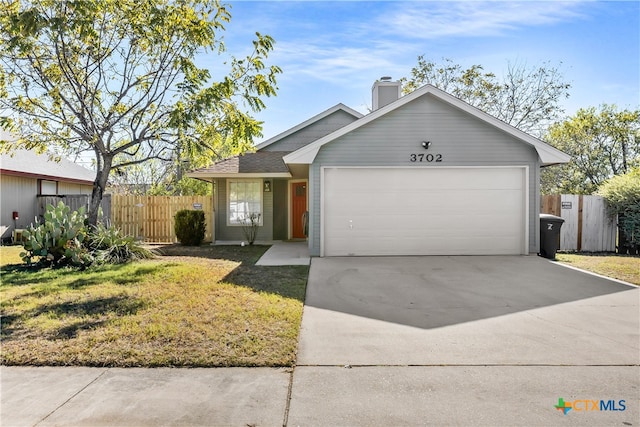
(422, 174)
(24, 175)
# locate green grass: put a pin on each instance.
(10, 255)
(622, 267)
(206, 306)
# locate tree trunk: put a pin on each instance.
(99, 185)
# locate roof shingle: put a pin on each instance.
(29, 163)
(259, 162)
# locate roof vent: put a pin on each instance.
(385, 78)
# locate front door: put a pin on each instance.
(298, 209)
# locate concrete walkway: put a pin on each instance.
(390, 341)
(286, 253)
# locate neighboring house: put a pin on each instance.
(422, 174)
(24, 175)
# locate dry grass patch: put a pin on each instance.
(208, 306)
(10, 255)
(621, 267)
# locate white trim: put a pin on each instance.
(524, 168)
(215, 194)
(308, 122)
(548, 154)
(527, 213)
(289, 201)
(201, 175)
(227, 201)
(322, 201)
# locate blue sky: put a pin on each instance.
(332, 52)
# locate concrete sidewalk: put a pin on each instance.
(316, 396)
(57, 396)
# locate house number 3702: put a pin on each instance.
(425, 158)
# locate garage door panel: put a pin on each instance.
(381, 246)
(430, 203)
(414, 178)
(422, 224)
(369, 211)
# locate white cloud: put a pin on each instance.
(333, 62)
(432, 20)
(394, 32)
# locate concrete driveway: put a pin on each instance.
(413, 335)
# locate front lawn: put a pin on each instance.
(622, 267)
(206, 306)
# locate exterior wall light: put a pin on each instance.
(426, 144)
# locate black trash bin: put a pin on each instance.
(550, 235)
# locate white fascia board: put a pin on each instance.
(308, 122)
(202, 175)
(548, 154)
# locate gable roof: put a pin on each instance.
(308, 122)
(30, 164)
(548, 154)
(262, 164)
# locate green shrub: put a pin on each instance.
(109, 246)
(622, 193)
(189, 227)
(59, 239)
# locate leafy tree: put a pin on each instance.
(184, 187)
(602, 142)
(117, 79)
(527, 98)
(622, 193)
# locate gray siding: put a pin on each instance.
(312, 132)
(461, 139)
(234, 233)
(19, 194)
(280, 209)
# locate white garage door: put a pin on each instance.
(424, 211)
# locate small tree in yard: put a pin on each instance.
(117, 80)
(250, 225)
(622, 193)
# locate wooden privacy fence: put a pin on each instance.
(151, 218)
(75, 202)
(587, 225)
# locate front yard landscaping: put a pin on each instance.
(193, 306)
(201, 306)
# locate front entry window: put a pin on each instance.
(245, 198)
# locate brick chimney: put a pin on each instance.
(385, 91)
